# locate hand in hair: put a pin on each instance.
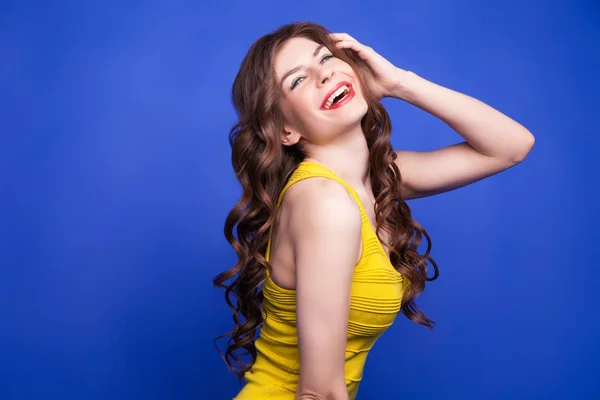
(386, 78)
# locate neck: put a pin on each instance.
(348, 158)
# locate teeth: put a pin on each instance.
(335, 94)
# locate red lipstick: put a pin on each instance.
(340, 103)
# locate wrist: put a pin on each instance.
(404, 81)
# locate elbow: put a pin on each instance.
(331, 392)
(524, 150)
(322, 396)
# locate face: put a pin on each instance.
(321, 97)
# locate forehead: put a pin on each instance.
(294, 52)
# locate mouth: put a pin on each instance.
(339, 95)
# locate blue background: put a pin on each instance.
(116, 180)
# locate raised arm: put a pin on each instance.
(326, 228)
(493, 142)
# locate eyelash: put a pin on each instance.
(295, 82)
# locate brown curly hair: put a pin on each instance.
(263, 165)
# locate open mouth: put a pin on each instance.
(339, 96)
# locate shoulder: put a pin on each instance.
(318, 201)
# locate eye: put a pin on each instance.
(296, 82)
(325, 58)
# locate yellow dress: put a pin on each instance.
(376, 294)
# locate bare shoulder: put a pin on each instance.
(316, 203)
(324, 226)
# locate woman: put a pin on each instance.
(322, 223)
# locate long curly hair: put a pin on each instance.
(263, 166)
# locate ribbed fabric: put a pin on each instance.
(375, 302)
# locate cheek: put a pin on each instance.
(297, 109)
(288, 109)
(305, 103)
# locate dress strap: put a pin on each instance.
(309, 169)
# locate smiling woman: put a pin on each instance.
(327, 247)
(337, 255)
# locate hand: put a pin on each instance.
(386, 79)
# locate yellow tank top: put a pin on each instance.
(376, 295)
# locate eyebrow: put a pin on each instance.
(296, 69)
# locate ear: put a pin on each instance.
(290, 137)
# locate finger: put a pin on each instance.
(342, 36)
(361, 49)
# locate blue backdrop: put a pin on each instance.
(116, 181)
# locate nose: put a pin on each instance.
(325, 75)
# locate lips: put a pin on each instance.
(333, 89)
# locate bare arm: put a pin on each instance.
(493, 141)
(326, 227)
(427, 173)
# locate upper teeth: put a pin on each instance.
(341, 90)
